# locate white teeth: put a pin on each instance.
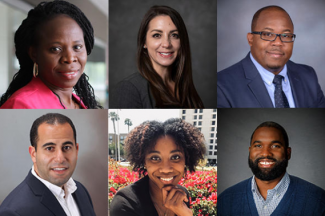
(70, 73)
(266, 163)
(165, 53)
(167, 179)
(59, 168)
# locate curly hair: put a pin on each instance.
(26, 36)
(144, 137)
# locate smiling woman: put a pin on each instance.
(162, 152)
(164, 77)
(52, 45)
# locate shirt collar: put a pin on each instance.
(69, 187)
(266, 75)
(278, 188)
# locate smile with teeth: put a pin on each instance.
(167, 179)
(59, 169)
(266, 163)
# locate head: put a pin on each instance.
(165, 150)
(272, 55)
(163, 43)
(54, 149)
(57, 36)
(269, 151)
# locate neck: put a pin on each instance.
(155, 193)
(64, 94)
(263, 186)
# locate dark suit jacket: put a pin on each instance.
(132, 92)
(33, 198)
(241, 86)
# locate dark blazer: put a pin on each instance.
(33, 198)
(132, 92)
(241, 86)
(135, 200)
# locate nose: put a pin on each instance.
(166, 43)
(68, 56)
(166, 167)
(277, 40)
(267, 151)
(59, 157)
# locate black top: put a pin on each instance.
(132, 92)
(135, 200)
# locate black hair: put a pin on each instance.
(277, 126)
(144, 137)
(258, 13)
(51, 119)
(26, 36)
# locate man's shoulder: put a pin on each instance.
(236, 190)
(309, 187)
(299, 68)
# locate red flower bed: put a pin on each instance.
(201, 185)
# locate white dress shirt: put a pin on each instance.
(64, 197)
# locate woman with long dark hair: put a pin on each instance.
(52, 45)
(164, 63)
(163, 152)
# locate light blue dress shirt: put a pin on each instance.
(268, 77)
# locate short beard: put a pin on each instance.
(268, 174)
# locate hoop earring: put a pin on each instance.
(35, 70)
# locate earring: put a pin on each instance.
(35, 70)
(144, 46)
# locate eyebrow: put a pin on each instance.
(270, 29)
(51, 143)
(275, 141)
(153, 151)
(157, 30)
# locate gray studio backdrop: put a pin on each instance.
(200, 18)
(92, 136)
(234, 22)
(305, 128)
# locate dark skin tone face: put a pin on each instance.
(272, 55)
(61, 56)
(268, 142)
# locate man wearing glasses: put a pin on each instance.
(266, 78)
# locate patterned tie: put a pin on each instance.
(280, 98)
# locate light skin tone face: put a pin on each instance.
(162, 43)
(56, 155)
(272, 55)
(60, 53)
(165, 165)
(268, 142)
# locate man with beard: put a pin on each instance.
(266, 78)
(271, 191)
(48, 188)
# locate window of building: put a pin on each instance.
(195, 111)
(194, 123)
(215, 141)
(184, 111)
(211, 140)
(200, 123)
(214, 116)
(183, 117)
(214, 110)
(215, 147)
(215, 153)
(212, 128)
(200, 116)
(210, 152)
(212, 135)
(201, 110)
(195, 117)
(210, 147)
(200, 129)
(213, 122)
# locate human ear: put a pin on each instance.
(32, 152)
(289, 153)
(250, 39)
(32, 53)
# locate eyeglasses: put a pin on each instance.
(269, 36)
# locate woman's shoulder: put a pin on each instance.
(135, 79)
(32, 96)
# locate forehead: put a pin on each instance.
(47, 132)
(275, 19)
(60, 26)
(166, 144)
(161, 22)
(267, 134)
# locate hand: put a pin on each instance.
(174, 198)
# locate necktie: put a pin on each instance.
(280, 98)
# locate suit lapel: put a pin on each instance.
(296, 87)
(46, 196)
(256, 84)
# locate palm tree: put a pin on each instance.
(114, 117)
(128, 122)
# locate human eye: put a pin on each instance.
(155, 158)
(156, 35)
(175, 157)
(49, 148)
(77, 47)
(175, 35)
(257, 146)
(276, 146)
(267, 34)
(66, 148)
(55, 49)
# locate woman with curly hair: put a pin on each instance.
(162, 152)
(52, 45)
(164, 77)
